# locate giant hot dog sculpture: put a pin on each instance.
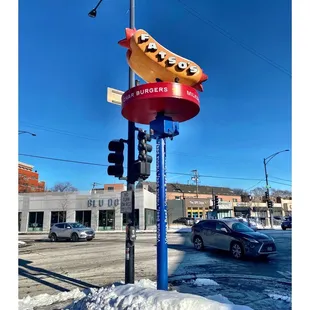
(153, 63)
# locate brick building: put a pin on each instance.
(28, 180)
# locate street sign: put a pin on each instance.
(114, 96)
(126, 202)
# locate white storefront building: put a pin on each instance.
(101, 211)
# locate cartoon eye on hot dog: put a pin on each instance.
(153, 63)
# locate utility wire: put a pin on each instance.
(59, 131)
(174, 173)
(280, 179)
(254, 185)
(290, 185)
(234, 39)
(65, 160)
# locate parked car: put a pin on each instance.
(233, 236)
(71, 231)
(188, 221)
(287, 223)
(252, 224)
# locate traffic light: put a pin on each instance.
(116, 158)
(143, 147)
(270, 203)
(216, 201)
(143, 164)
(267, 195)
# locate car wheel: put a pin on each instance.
(284, 228)
(236, 250)
(53, 237)
(198, 244)
(74, 237)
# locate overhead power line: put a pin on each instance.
(174, 173)
(59, 131)
(280, 178)
(64, 160)
(234, 39)
(254, 185)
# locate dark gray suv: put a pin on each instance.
(233, 236)
(71, 231)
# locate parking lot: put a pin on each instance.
(46, 267)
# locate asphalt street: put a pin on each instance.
(46, 267)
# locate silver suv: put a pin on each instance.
(70, 231)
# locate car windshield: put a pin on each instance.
(77, 225)
(239, 227)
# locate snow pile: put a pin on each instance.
(21, 242)
(280, 297)
(203, 282)
(28, 303)
(144, 296)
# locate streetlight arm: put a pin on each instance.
(269, 158)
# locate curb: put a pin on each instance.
(236, 276)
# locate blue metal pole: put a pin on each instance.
(162, 251)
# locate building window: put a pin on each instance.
(35, 221)
(110, 189)
(19, 220)
(150, 217)
(234, 200)
(224, 213)
(58, 217)
(106, 220)
(126, 218)
(83, 217)
(177, 197)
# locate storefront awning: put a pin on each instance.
(241, 209)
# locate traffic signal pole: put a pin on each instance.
(267, 191)
(130, 245)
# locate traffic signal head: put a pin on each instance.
(267, 195)
(270, 203)
(143, 147)
(216, 201)
(116, 158)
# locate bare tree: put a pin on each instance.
(63, 187)
(281, 193)
(258, 193)
(66, 188)
(240, 192)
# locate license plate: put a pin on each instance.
(269, 249)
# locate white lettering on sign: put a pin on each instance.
(126, 202)
(191, 94)
(182, 65)
(152, 46)
(162, 55)
(144, 37)
(172, 60)
(193, 70)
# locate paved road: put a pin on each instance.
(46, 267)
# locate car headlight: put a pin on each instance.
(83, 233)
(250, 240)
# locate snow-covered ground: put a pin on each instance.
(142, 295)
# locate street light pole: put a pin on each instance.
(266, 161)
(129, 246)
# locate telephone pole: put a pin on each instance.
(195, 178)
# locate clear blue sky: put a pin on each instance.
(67, 60)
